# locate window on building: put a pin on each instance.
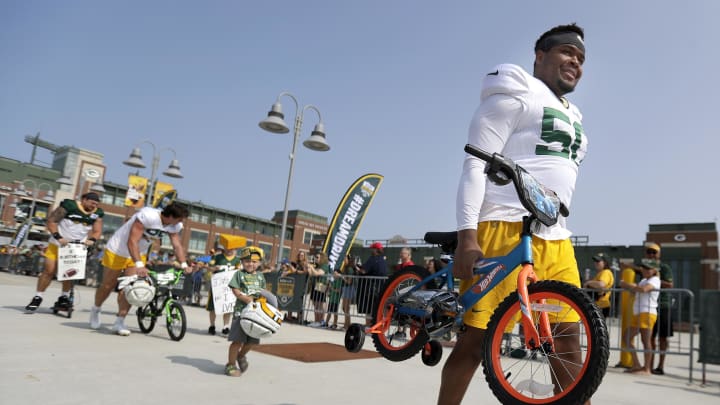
(111, 223)
(267, 250)
(286, 253)
(308, 237)
(165, 241)
(107, 198)
(198, 242)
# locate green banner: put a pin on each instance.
(289, 290)
(348, 217)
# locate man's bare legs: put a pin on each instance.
(567, 343)
(47, 276)
(467, 355)
(43, 282)
(461, 366)
(102, 293)
(108, 285)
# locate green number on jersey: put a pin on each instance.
(570, 143)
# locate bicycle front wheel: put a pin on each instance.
(176, 321)
(146, 317)
(568, 374)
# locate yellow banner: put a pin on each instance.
(160, 189)
(137, 187)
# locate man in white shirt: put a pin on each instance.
(525, 118)
(125, 253)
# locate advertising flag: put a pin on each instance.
(348, 218)
(137, 186)
(160, 189)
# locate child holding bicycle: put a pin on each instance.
(247, 285)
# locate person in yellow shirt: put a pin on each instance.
(627, 298)
(602, 282)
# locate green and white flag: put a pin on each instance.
(348, 218)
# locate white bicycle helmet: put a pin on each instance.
(139, 292)
(260, 319)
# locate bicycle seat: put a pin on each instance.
(446, 240)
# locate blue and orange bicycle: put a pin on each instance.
(521, 362)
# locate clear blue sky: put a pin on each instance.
(396, 83)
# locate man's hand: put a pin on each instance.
(467, 253)
(141, 271)
(63, 241)
(187, 269)
(89, 242)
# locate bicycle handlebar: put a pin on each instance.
(536, 198)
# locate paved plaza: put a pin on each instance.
(47, 359)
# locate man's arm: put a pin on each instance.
(95, 232)
(495, 119)
(52, 224)
(177, 247)
(133, 243)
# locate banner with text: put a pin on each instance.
(348, 218)
(137, 186)
(223, 297)
(71, 262)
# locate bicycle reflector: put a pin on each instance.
(260, 319)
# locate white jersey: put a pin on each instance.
(151, 219)
(522, 119)
(647, 301)
(77, 223)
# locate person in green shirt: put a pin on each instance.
(247, 285)
(224, 261)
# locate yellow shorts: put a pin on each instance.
(554, 260)
(115, 262)
(643, 320)
(51, 252)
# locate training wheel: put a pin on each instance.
(354, 338)
(431, 353)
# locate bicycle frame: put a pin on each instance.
(164, 291)
(492, 270)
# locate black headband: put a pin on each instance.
(91, 196)
(561, 38)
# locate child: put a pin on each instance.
(247, 284)
(334, 291)
(644, 313)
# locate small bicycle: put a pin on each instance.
(68, 306)
(164, 302)
(520, 360)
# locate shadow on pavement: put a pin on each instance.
(204, 365)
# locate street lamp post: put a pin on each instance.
(275, 123)
(24, 229)
(36, 188)
(173, 170)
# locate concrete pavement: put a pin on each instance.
(47, 359)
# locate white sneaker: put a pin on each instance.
(94, 318)
(120, 329)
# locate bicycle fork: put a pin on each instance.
(534, 338)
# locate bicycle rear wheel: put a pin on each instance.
(176, 321)
(146, 317)
(569, 375)
(400, 339)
